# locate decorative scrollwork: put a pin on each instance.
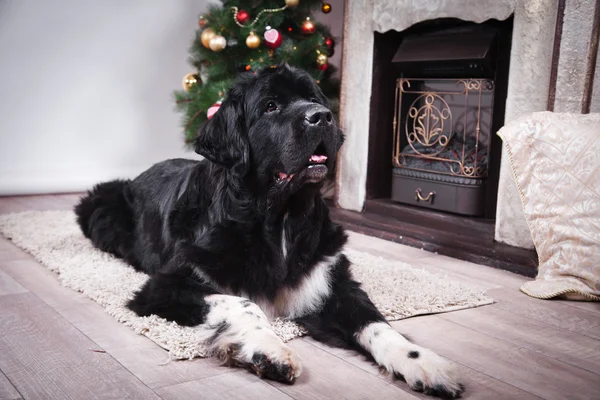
(404, 85)
(443, 130)
(425, 123)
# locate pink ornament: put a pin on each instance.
(213, 109)
(272, 38)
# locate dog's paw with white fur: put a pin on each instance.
(422, 369)
(239, 332)
(281, 365)
(426, 372)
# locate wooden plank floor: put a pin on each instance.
(57, 344)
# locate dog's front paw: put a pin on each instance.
(427, 372)
(422, 369)
(284, 366)
(238, 332)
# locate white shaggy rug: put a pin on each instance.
(55, 240)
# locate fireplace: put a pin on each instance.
(443, 117)
(438, 97)
(418, 186)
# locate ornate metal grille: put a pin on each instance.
(443, 125)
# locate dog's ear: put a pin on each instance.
(223, 138)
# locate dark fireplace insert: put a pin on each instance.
(443, 109)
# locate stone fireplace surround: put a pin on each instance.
(528, 85)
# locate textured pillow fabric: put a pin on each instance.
(555, 159)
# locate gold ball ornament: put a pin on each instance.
(321, 59)
(292, 3)
(205, 37)
(326, 8)
(253, 40)
(218, 43)
(189, 80)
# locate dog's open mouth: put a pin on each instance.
(315, 170)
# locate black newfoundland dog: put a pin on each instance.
(244, 236)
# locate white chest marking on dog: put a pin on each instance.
(397, 355)
(308, 297)
(283, 238)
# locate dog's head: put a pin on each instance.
(274, 128)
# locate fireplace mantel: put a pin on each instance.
(400, 15)
(528, 87)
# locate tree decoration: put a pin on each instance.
(268, 10)
(217, 43)
(205, 37)
(213, 109)
(326, 8)
(242, 16)
(272, 38)
(330, 44)
(219, 64)
(189, 80)
(308, 27)
(253, 41)
(321, 59)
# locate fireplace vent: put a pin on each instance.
(450, 53)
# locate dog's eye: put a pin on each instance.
(271, 106)
(314, 100)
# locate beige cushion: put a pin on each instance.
(555, 160)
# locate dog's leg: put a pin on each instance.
(238, 331)
(349, 319)
(232, 328)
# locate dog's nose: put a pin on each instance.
(318, 116)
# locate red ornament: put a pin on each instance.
(213, 109)
(323, 67)
(202, 21)
(242, 16)
(308, 27)
(272, 38)
(330, 44)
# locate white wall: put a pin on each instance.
(86, 89)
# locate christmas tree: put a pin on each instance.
(247, 35)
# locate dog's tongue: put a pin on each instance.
(317, 158)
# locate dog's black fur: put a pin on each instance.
(225, 215)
